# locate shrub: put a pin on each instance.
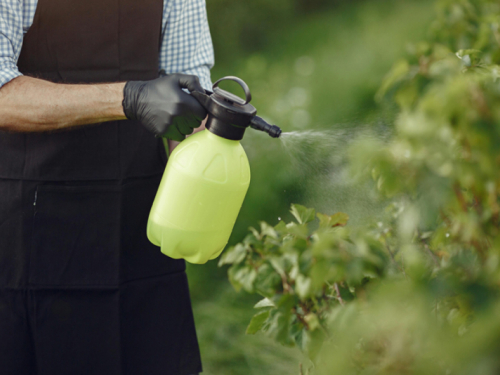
(416, 291)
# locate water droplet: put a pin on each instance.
(320, 155)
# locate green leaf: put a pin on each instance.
(339, 219)
(467, 52)
(268, 281)
(303, 286)
(267, 230)
(286, 302)
(236, 254)
(242, 277)
(282, 330)
(256, 233)
(281, 227)
(266, 302)
(397, 74)
(300, 335)
(312, 321)
(278, 264)
(257, 322)
(298, 230)
(302, 214)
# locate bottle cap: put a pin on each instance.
(229, 115)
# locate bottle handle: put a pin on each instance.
(231, 97)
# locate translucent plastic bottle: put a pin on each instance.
(206, 180)
(200, 196)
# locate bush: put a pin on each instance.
(416, 291)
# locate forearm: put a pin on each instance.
(33, 105)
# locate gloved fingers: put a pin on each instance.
(194, 107)
(190, 82)
(162, 105)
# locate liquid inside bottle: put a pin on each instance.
(199, 198)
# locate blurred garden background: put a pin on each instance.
(311, 65)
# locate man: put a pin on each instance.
(82, 291)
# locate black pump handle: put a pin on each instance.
(228, 95)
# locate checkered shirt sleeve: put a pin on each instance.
(186, 45)
(11, 36)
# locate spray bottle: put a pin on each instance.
(206, 180)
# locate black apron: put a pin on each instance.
(82, 291)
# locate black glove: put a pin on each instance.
(163, 107)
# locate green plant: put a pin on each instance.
(416, 291)
(284, 266)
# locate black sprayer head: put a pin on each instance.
(229, 115)
(258, 123)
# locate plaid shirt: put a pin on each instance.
(186, 45)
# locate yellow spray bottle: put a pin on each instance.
(206, 180)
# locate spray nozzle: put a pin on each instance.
(258, 123)
(230, 115)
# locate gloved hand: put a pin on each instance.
(163, 107)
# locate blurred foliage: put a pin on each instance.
(320, 69)
(240, 27)
(319, 72)
(417, 290)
